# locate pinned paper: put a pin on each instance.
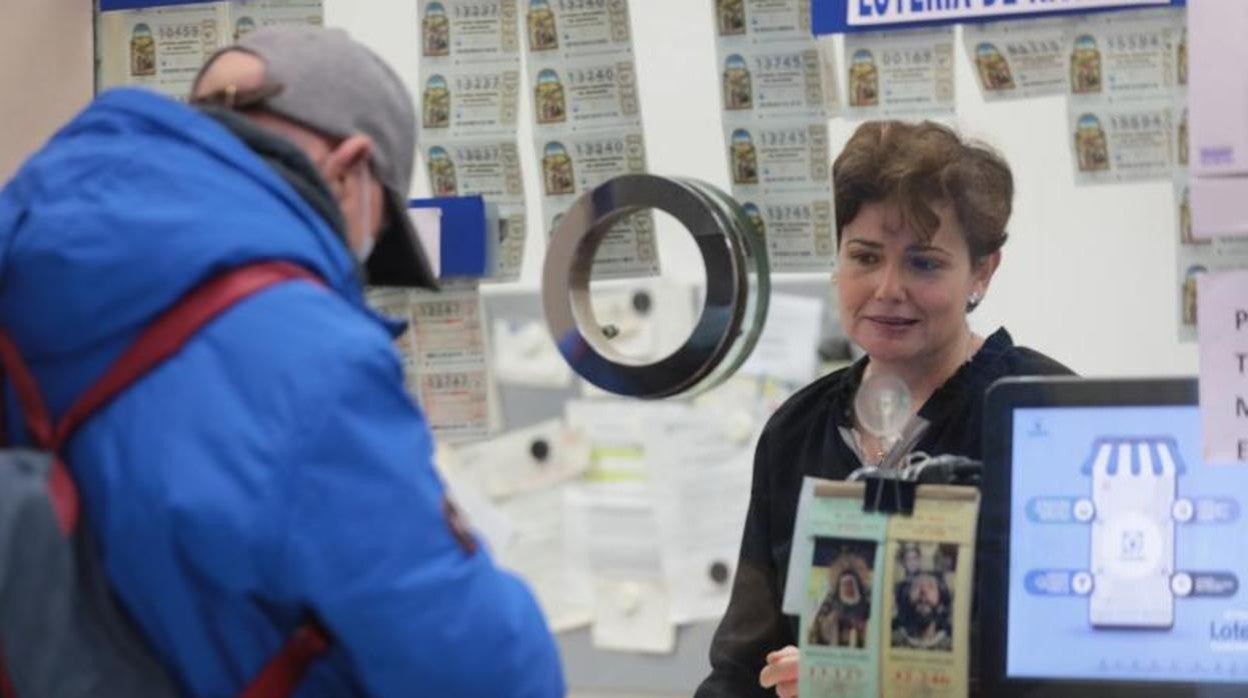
(788, 347)
(1223, 304)
(613, 429)
(524, 354)
(539, 552)
(700, 475)
(525, 460)
(613, 534)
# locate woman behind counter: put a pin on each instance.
(920, 221)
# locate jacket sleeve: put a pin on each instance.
(753, 624)
(370, 548)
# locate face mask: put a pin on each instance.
(365, 248)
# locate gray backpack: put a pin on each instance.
(62, 632)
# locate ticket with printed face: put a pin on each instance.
(466, 31)
(576, 163)
(927, 575)
(485, 166)
(778, 156)
(628, 250)
(1182, 141)
(1134, 55)
(584, 93)
(465, 101)
(1121, 142)
(246, 16)
(1183, 211)
(899, 73)
(799, 229)
(762, 19)
(1016, 60)
(1196, 256)
(774, 79)
(161, 48)
(840, 578)
(577, 27)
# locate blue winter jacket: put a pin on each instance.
(275, 467)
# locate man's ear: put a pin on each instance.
(343, 161)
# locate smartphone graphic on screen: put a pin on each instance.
(1133, 490)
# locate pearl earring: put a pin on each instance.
(973, 299)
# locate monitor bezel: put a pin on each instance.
(1002, 399)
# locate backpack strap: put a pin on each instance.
(281, 675)
(6, 684)
(162, 339)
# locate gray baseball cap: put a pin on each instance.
(332, 84)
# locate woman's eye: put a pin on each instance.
(925, 263)
(865, 257)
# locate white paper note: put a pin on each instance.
(539, 553)
(613, 429)
(700, 471)
(524, 460)
(1224, 365)
(788, 347)
(614, 535)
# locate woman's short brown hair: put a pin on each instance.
(917, 166)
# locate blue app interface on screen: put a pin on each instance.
(1127, 551)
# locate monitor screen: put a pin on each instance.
(1126, 552)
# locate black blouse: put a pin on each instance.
(804, 438)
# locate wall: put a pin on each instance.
(46, 59)
(1089, 273)
(1088, 276)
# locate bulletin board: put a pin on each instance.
(586, 667)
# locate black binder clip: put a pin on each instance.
(888, 495)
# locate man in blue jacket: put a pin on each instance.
(275, 468)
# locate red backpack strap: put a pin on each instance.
(162, 339)
(170, 332)
(39, 424)
(282, 674)
(6, 684)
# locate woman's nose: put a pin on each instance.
(889, 285)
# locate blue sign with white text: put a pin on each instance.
(109, 5)
(849, 16)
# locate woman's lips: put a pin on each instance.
(892, 321)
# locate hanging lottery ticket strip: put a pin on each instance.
(885, 598)
(162, 48)
(444, 356)
(587, 119)
(469, 97)
(778, 89)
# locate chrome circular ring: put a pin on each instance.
(737, 286)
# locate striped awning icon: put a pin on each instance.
(1158, 455)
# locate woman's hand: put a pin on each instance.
(781, 672)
